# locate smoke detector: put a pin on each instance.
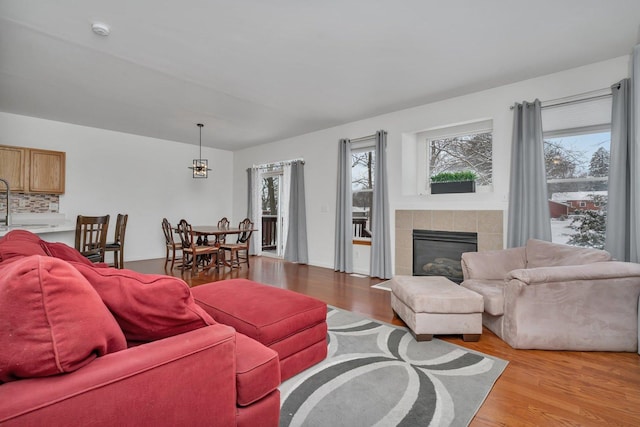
(100, 29)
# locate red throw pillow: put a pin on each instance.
(65, 252)
(53, 321)
(148, 307)
(20, 243)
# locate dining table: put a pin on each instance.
(204, 231)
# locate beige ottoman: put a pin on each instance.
(432, 305)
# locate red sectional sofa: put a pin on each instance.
(84, 344)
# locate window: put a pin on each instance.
(467, 147)
(577, 141)
(363, 160)
(270, 193)
(577, 165)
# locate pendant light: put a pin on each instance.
(200, 166)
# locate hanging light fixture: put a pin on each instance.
(200, 166)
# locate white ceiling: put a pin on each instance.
(256, 71)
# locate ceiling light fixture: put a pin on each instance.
(200, 166)
(100, 29)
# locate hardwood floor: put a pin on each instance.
(538, 388)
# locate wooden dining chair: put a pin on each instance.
(171, 245)
(117, 246)
(91, 236)
(239, 251)
(193, 254)
(222, 224)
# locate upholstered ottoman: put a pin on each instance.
(292, 324)
(432, 305)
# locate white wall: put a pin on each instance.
(319, 149)
(112, 172)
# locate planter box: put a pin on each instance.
(453, 187)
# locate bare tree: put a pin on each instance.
(465, 153)
(270, 196)
(362, 165)
(562, 162)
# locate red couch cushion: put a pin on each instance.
(65, 252)
(20, 243)
(53, 320)
(24, 235)
(148, 307)
(262, 312)
(257, 370)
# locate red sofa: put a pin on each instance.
(85, 345)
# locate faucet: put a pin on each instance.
(7, 220)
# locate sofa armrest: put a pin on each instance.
(594, 271)
(187, 379)
(492, 265)
(591, 307)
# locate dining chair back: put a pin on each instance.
(247, 230)
(171, 245)
(239, 251)
(193, 254)
(222, 224)
(117, 246)
(91, 236)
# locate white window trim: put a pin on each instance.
(583, 130)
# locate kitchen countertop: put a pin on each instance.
(39, 223)
(39, 228)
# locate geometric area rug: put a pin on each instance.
(377, 374)
(385, 286)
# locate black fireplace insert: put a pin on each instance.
(438, 253)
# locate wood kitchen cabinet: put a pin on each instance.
(12, 167)
(32, 170)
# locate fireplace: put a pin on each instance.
(438, 253)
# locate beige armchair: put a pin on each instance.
(557, 297)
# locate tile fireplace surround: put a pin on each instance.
(488, 224)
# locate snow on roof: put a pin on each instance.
(577, 195)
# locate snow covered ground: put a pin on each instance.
(560, 230)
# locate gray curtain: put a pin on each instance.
(528, 202)
(623, 207)
(296, 244)
(343, 257)
(380, 240)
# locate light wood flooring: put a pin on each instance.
(538, 388)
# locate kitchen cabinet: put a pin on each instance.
(32, 170)
(12, 167)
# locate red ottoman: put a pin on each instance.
(292, 324)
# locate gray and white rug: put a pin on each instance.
(378, 375)
(385, 286)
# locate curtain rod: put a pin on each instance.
(363, 138)
(274, 164)
(576, 99)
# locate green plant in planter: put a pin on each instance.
(453, 182)
(454, 176)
